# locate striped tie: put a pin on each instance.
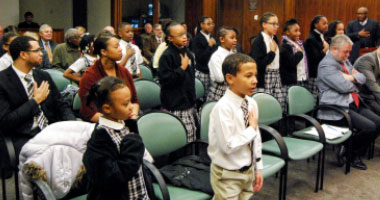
(244, 107)
(41, 119)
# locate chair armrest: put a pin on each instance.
(278, 138)
(160, 180)
(11, 151)
(41, 190)
(337, 109)
(314, 122)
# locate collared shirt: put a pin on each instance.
(229, 138)
(21, 75)
(83, 63)
(363, 23)
(276, 62)
(5, 61)
(301, 66)
(159, 40)
(137, 56)
(157, 55)
(320, 35)
(215, 64)
(207, 36)
(44, 44)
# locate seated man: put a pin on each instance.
(29, 99)
(152, 42)
(369, 65)
(337, 83)
(46, 34)
(67, 53)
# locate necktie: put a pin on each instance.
(159, 41)
(48, 51)
(41, 119)
(355, 95)
(133, 62)
(244, 107)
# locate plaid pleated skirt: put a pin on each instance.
(273, 86)
(217, 91)
(189, 118)
(312, 87)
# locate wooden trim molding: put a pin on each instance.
(116, 13)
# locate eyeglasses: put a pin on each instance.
(361, 13)
(180, 35)
(210, 24)
(36, 50)
(274, 24)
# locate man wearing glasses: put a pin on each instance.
(29, 99)
(365, 31)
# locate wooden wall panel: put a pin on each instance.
(193, 13)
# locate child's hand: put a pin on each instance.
(259, 179)
(211, 42)
(130, 51)
(185, 61)
(252, 119)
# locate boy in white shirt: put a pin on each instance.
(234, 136)
(132, 57)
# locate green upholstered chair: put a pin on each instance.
(146, 73)
(76, 103)
(270, 112)
(58, 79)
(163, 133)
(301, 102)
(199, 89)
(205, 119)
(148, 94)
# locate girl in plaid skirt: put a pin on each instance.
(115, 152)
(266, 53)
(203, 47)
(227, 37)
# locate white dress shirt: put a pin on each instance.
(215, 64)
(378, 58)
(275, 64)
(157, 55)
(363, 23)
(5, 61)
(229, 139)
(137, 55)
(83, 63)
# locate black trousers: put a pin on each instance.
(366, 125)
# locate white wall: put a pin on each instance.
(98, 15)
(9, 10)
(57, 13)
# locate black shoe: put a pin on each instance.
(358, 164)
(341, 156)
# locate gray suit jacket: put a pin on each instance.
(369, 65)
(333, 88)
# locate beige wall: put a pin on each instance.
(57, 13)
(98, 15)
(9, 10)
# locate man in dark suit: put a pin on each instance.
(369, 65)
(365, 30)
(29, 99)
(338, 84)
(46, 34)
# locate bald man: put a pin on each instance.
(365, 30)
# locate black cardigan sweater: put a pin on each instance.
(177, 85)
(202, 52)
(262, 58)
(108, 171)
(314, 52)
(288, 63)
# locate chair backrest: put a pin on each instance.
(148, 94)
(146, 73)
(300, 100)
(199, 89)
(162, 133)
(269, 108)
(76, 103)
(205, 119)
(58, 79)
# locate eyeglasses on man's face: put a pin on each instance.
(35, 50)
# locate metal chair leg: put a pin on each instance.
(17, 190)
(3, 184)
(323, 168)
(318, 172)
(285, 181)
